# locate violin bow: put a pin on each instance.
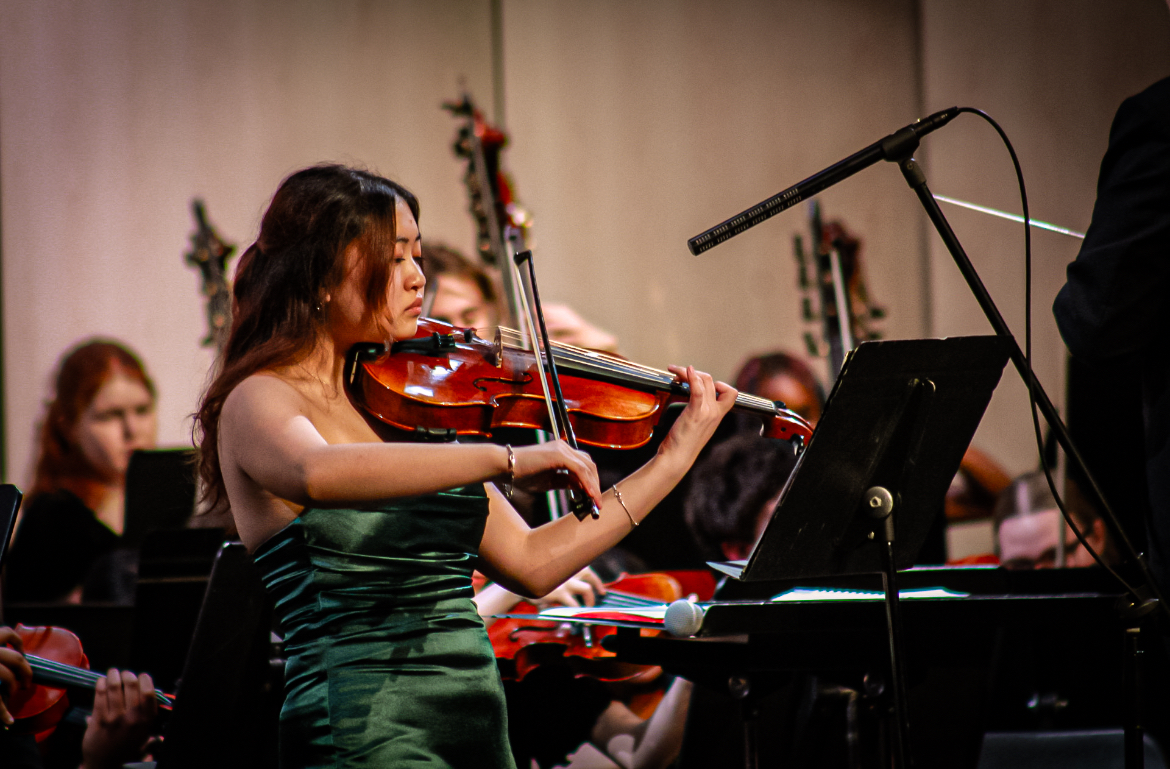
(579, 504)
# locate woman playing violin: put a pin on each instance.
(368, 547)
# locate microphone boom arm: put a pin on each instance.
(898, 145)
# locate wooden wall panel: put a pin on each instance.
(634, 127)
(114, 114)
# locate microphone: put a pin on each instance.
(895, 147)
(683, 618)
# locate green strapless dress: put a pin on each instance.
(388, 663)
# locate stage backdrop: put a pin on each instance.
(634, 126)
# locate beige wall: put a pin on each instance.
(634, 125)
(1052, 73)
(639, 125)
(114, 114)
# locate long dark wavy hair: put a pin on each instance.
(314, 216)
(729, 488)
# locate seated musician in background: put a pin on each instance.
(101, 411)
(780, 376)
(124, 709)
(466, 295)
(553, 711)
(733, 492)
(1029, 527)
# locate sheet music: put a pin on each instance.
(819, 594)
(656, 614)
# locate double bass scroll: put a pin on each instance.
(209, 254)
(500, 224)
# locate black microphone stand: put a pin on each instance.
(899, 148)
(915, 177)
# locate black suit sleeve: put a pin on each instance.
(1114, 303)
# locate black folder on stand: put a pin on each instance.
(900, 416)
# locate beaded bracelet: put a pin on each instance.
(509, 484)
(618, 496)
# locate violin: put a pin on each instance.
(526, 644)
(57, 661)
(448, 382)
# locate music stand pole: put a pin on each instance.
(880, 503)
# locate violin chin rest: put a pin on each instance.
(683, 618)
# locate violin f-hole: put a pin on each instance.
(522, 380)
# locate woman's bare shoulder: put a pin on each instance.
(264, 392)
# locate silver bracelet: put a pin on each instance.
(618, 496)
(509, 484)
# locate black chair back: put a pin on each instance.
(10, 497)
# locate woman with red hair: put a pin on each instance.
(102, 410)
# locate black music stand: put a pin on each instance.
(10, 497)
(160, 492)
(894, 430)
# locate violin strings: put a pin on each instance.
(573, 352)
(603, 362)
(66, 675)
(56, 673)
(617, 598)
(591, 361)
(606, 363)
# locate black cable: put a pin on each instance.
(1110, 517)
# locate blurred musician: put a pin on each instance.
(780, 376)
(465, 295)
(102, 410)
(1029, 527)
(733, 492)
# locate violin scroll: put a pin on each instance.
(209, 254)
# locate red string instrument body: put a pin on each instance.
(527, 643)
(448, 382)
(38, 709)
(522, 644)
